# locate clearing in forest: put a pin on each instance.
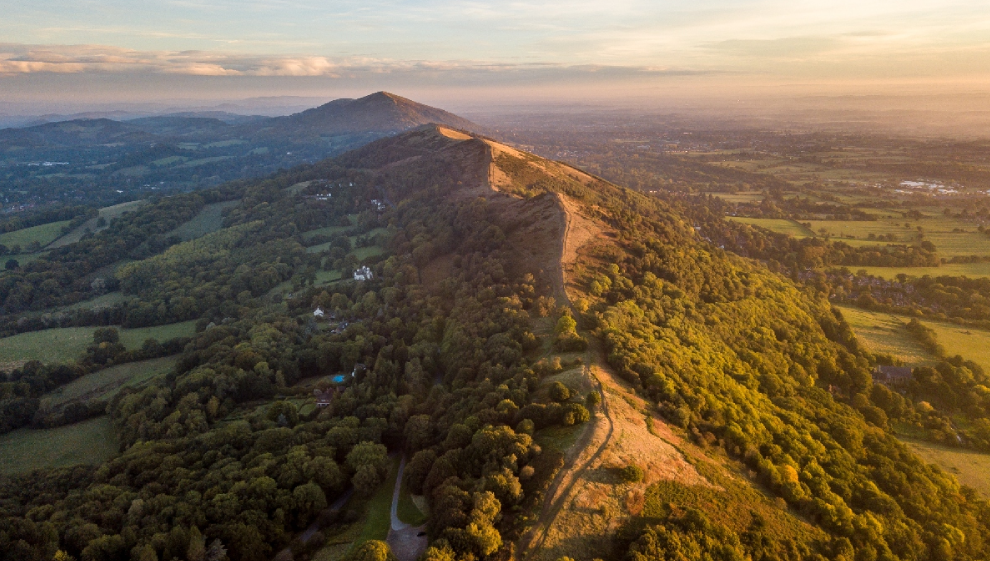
(69, 343)
(43, 234)
(107, 213)
(89, 442)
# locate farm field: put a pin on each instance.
(970, 468)
(88, 442)
(886, 334)
(104, 384)
(972, 344)
(65, 344)
(210, 219)
(972, 270)
(43, 234)
(109, 213)
(105, 300)
(748, 197)
(779, 225)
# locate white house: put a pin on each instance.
(318, 313)
(363, 273)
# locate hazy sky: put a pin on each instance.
(186, 49)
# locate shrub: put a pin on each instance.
(632, 474)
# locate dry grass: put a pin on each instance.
(970, 468)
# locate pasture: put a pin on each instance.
(972, 344)
(779, 225)
(886, 333)
(104, 384)
(69, 343)
(107, 213)
(883, 333)
(972, 270)
(970, 468)
(89, 442)
(208, 220)
(43, 234)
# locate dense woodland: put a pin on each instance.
(216, 460)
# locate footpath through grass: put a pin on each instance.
(89, 442)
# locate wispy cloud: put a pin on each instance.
(73, 59)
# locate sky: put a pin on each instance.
(97, 51)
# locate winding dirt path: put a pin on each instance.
(577, 232)
(562, 487)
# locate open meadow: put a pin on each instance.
(69, 343)
(43, 234)
(104, 384)
(779, 225)
(883, 333)
(88, 442)
(209, 219)
(107, 213)
(970, 468)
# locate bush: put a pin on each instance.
(632, 474)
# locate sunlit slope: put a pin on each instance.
(732, 361)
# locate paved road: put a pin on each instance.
(397, 524)
(408, 542)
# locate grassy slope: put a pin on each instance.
(43, 234)
(109, 213)
(779, 225)
(886, 333)
(88, 442)
(971, 468)
(210, 219)
(882, 332)
(63, 344)
(104, 384)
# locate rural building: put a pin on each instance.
(363, 273)
(892, 375)
(319, 313)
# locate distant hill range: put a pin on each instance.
(189, 150)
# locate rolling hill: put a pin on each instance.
(568, 368)
(106, 160)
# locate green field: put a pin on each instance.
(970, 468)
(972, 270)
(69, 343)
(88, 442)
(104, 384)
(747, 197)
(887, 334)
(208, 220)
(105, 300)
(43, 234)
(108, 213)
(972, 344)
(779, 225)
(204, 161)
(168, 161)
